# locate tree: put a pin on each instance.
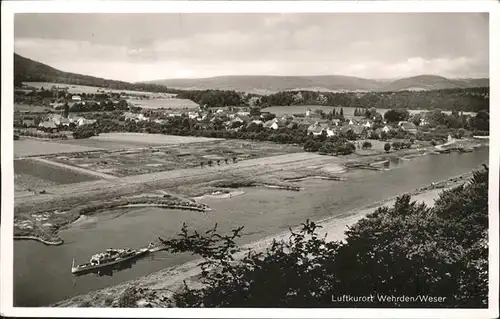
(387, 147)
(407, 249)
(481, 121)
(366, 145)
(396, 115)
(210, 162)
(66, 110)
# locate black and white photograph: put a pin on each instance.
(249, 159)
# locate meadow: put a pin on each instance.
(32, 147)
(73, 88)
(168, 103)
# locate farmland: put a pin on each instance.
(78, 89)
(180, 155)
(169, 103)
(35, 175)
(31, 147)
(30, 108)
(150, 139)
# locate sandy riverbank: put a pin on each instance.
(55, 242)
(172, 278)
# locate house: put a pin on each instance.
(136, 116)
(351, 122)
(317, 129)
(356, 129)
(77, 98)
(303, 120)
(193, 115)
(241, 113)
(366, 123)
(28, 121)
(159, 121)
(423, 121)
(59, 120)
(387, 128)
(335, 122)
(57, 105)
(271, 124)
(330, 132)
(408, 126)
(83, 121)
(48, 126)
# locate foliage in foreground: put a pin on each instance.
(409, 249)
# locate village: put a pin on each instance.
(65, 114)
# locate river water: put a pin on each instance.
(42, 273)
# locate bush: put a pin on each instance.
(366, 145)
(128, 299)
(396, 145)
(387, 147)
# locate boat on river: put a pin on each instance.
(108, 258)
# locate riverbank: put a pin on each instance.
(55, 242)
(170, 279)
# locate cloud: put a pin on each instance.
(144, 47)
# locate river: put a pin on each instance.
(42, 273)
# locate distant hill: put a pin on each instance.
(432, 82)
(270, 84)
(330, 83)
(26, 70)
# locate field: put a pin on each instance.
(31, 108)
(73, 88)
(150, 139)
(170, 103)
(31, 174)
(121, 163)
(33, 147)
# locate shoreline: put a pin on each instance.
(79, 214)
(172, 278)
(43, 241)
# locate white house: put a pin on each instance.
(386, 128)
(193, 115)
(367, 124)
(82, 121)
(76, 98)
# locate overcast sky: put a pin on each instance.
(139, 47)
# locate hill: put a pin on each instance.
(330, 83)
(270, 84)
(432, 82)
(27, 70)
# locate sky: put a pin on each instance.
(140, 47)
